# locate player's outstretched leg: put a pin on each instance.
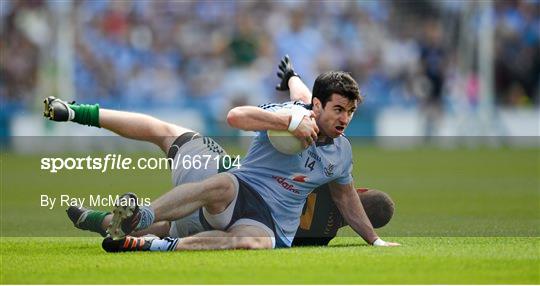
(126, 124)
(214, 194)
(86, 219)
(237, 237)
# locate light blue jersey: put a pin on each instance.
(284, 181)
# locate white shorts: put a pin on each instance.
(185, 148)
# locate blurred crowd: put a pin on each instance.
(212, 55)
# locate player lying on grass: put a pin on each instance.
(249, 207)
(174, 140)
(320, 220)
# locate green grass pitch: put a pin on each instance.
(420, 260)
(464, 216)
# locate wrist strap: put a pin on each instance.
(379, 242)
(296, 118)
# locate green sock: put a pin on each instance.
(93, 221)
(87, 114)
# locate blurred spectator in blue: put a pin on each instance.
(302, 43)
(517, 64)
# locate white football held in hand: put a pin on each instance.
(284, 141)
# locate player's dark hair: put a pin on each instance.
(338, 82)
(379, 207)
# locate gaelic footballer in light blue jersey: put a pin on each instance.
(259, 204)
(284, 181)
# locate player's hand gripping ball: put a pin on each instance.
(284, 141)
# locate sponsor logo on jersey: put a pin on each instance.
(300, 178)
(284, 184)
(329, 171)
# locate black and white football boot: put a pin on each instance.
(57, 110)
(126, 217)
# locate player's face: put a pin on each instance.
(336, 115)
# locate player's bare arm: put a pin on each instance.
(349, 204)
(299, 91)
(253, 118)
